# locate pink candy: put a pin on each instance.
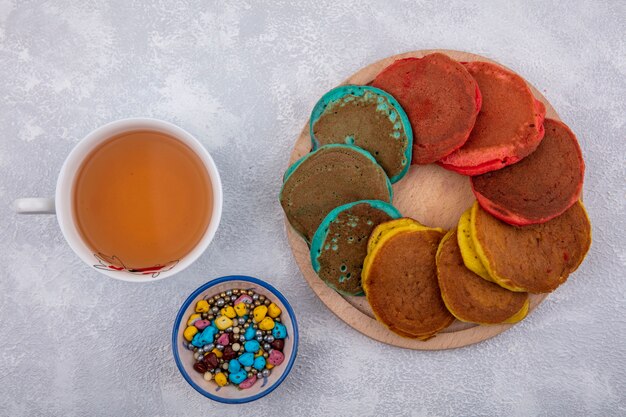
(223, 340)
(244, 298)
(276, 357)
(248, 382)
(201, 324)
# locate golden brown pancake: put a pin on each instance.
(539, 187)
(471, 298)
(508, 127)
(400, 280)
(441, 99)
(331, 176)
(536, 258)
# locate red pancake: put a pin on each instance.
(440, 98)
(508, 128)
(541, 186)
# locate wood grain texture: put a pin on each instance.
(428, 193)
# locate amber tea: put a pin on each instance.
(142, 199)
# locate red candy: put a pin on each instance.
(229, 353)
(200, 367)
(278, 344)
(211, 360)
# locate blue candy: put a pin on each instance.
(247, 359)
(279, 331)
(234, 366)
(252, 346)
(250, 333)
(259, 363)
(205, 337)
(238, 377)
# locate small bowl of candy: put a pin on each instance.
(235, 339)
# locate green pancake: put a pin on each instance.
(327, 178)
(339, 245)
(368, 118)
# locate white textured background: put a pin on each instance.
(242, 76)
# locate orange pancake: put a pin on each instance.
(400, 280)
(536, 258)
(471, 298)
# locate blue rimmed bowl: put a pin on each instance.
(183, 356)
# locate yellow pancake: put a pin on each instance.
(404, 222)
(468, 251)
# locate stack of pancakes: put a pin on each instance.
(526, 232)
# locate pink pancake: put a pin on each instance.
(440, 98)
(508, 128)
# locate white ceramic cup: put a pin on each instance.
(61, 204)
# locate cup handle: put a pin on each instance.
(34, 206)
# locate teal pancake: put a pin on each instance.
(368, 118)
(339, 245)
(329, 177)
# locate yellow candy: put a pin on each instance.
(220, 379)
(228, 312)
(269, 365)
(266, 324)
(273, 311)
(202, 306)
(223, 322)
(259, 353)
(241, 309)
(189, 333)
(193, 318)
(259, 313)
(217, 352)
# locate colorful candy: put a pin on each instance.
(193, 318)
(273, 310)
(259, 313)
(279, 331)
(220, 379)
(223, 322)
(229, 312)
(247, 359)
(266, 324)
(248, 382)
(190, 332)
(251, 346)
(259, 363)
(202, 306)
(241, 309)
(236, 337)
(276, 357)
(201, 324)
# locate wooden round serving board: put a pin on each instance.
(428, 193)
